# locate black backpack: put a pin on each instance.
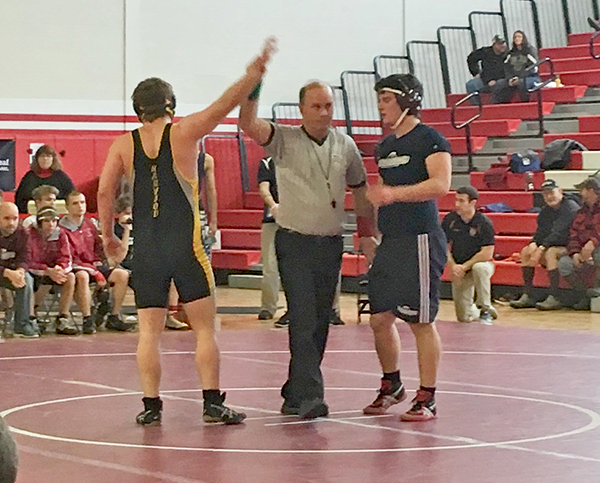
(557, 154)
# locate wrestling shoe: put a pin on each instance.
(219, 413)
(387, 397)
(423, 408)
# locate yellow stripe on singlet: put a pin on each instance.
(191, 189)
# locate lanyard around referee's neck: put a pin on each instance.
(326, 172)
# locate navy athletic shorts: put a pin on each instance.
(406, 275)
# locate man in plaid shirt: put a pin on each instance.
(583, 247)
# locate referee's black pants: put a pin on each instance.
(309, 267)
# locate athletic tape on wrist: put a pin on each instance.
(256, 92)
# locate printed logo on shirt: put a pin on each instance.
(473, 231)
(392, 160)
(406, 310)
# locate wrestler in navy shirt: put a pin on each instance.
(401, 161)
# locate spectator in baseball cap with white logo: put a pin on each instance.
(547, 246)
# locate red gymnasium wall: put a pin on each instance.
(84, 152)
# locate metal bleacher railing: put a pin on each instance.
(241, 152)
(593, 45)
(441, 65)
(538, 88)
(484, 25)
(466, 125)
(360, 102)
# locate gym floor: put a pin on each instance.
(518, 401)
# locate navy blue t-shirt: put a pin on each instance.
(401, 162)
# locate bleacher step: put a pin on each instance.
(528, 128)
(567, 179)
(245, 280)
(591, 160)
(511, 145)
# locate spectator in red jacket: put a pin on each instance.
(583, 247)
(88, 262)
(13, 265)
(50, 263)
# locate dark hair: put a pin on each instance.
(470, 191)
(122, 203)
(311, 85)
(44, 190)
(45, 150)
(71, 194)
(153, 98)
(8, 455)
(526, 46)
(408, 90)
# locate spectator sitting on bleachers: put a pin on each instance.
(486, 65)
(88, 257)
(122, 266)
(516, 76)
(470, 257)
(13, 264)
(584, 239)
(43, 196)
(547, 246)
(45, 169)
(49, 261)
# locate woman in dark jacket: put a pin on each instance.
(517, 77)
(45, 169)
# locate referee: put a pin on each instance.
(315, 163)
(415, 169)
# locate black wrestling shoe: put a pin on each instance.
(152, 413)
(219, 413)
(149, 418)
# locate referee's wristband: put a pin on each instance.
(365, 226)
(256, 92)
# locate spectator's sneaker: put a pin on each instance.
(524, 302)
(65, 326)
(284, 321)
(486, 318)
(114, 322)
(387, 397)
(265, 315)
(313, 408)
(551, 303)
(593, 292)
(26, 331)
(219, 413)
(35, 326)
(289, 409)
(89, 326)
(174, 324)
(423, 408)
(583, 304)
(149, 418)
(492, 311)
(336, 320)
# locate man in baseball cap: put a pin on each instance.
(487, 65)
(547, 246)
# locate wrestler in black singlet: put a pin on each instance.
(167, 227)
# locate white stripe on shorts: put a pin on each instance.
(424, 282)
